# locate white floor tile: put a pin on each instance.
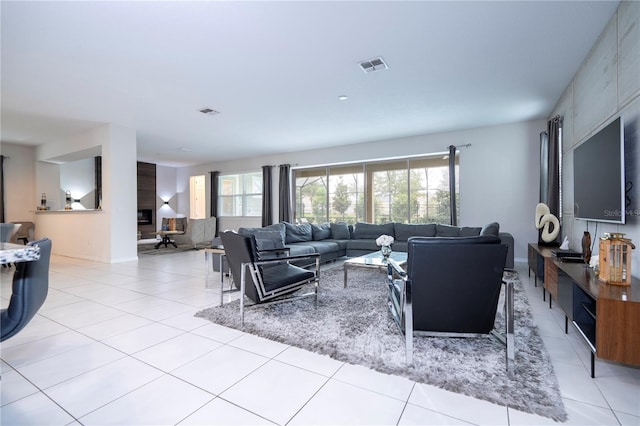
(218, 332)
(621, 392)
(166, 400)
(316, 363)
(90, 391)
(142, 338)
(586, 414)
(259, 345)
(418, 416)
(37, 350)
(222, 413)
(175, 352)
(276, 391)
(627, 420)
(67, 365)
(459, 406)
(38, 328)
(186, 321)
(220, 369)
(114, 327)
(36, 410)
(15, 387)
(338, 403)
(576, 384)
(386, 384)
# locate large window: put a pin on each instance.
(240, 194)
(411, 190)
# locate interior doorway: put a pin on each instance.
(197, 197)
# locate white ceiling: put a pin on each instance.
(275, 70)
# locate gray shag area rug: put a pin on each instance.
(353, 325)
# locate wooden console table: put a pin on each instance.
(606, 316)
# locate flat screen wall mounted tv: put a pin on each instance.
(598, 176)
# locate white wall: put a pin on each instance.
(105, 236)
(79, 178)
(20, 186)
(606, 86)
(498, 173)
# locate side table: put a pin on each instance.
(209, 252)
(166, 238)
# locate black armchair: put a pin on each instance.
(451, 288)
(271, 277)
(29, 291)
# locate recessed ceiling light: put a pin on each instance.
(183, 149)
(343, 97)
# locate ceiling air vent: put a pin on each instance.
(209, 111)
(376, 64)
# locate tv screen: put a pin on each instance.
(598, 176)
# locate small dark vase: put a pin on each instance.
(586, 247)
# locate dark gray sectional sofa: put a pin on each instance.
(335, 240)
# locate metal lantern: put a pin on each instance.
(615, 259)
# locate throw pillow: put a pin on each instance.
(447, 231)
(340, 231)
(404, 231)
(279, 227)
(298, 233)
(467, 231)
(492, 228)
(321, 231)
(365, 231)
(268, 239)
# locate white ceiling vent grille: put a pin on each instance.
(209, 111)
(375, 64)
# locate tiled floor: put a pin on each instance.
(118, 344)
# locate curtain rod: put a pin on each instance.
(460, 146)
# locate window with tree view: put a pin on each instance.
(240, 194)
(411, 190)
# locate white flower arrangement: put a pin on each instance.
(384, 240)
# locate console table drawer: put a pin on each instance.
(618, 331)
(551, 277)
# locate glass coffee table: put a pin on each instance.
(373, 260)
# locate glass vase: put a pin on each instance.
(386, 251)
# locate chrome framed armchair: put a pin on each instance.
(29, 291)
(266, 279)
(451, 288)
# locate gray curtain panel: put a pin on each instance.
(285, 193)
(267, 196)
(214, 196)
(2, 157)
(98, 172)
(554, 128)
(452, 185)
(544, 167)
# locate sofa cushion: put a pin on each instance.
(340, 231)
(268, 239)
(364, 230)
(492, 228)
(321, 231)
(468, 231)
(298, 233)
(447, 231)
(322, 247)
(404, 231)
(275, 227)
(300, 249)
